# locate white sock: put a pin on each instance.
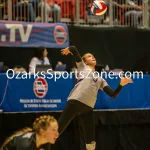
(91, 146)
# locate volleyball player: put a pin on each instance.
(83, 97)
(43, 134)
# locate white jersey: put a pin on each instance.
(87, 87)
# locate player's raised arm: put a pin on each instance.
(73, 51)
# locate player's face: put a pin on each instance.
(51, 133)
(45, 53)
(90, 59)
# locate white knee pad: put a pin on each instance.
(91, 146)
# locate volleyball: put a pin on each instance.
(98, 7)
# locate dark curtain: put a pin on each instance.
(115, 130)
(125, 48)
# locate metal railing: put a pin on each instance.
(123, 13)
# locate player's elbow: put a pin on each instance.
(72, 48)
(78, 60)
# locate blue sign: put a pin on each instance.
(30, 93)
(24, 34)
(34, 94)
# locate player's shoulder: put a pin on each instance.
(24, 136)
(101, 79)
(28, 135)
(25, 139)
(81, 64)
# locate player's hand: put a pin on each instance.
(65, 51)
(125, 81)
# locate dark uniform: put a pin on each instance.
(25, 141)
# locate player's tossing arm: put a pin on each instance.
(72, 50)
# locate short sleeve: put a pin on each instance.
(81, 66)
(103, 83)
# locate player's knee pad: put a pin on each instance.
(91, 146)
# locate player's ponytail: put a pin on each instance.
(19, 132)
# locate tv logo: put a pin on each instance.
(15, 31)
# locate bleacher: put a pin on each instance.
(77, 12)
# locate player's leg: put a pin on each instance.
(87, 121)
(69, 112)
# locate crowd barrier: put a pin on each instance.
(29, 93)
(133, 13)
